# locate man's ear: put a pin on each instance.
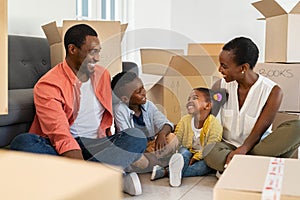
(72, 49)
(124, 99)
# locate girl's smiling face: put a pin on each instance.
(197, 102)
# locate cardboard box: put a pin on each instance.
(110, 34)
(287, 76)
(204, 49)
(3, 59)
(282, 31)
(183, 74)
(154, 90)
(34, 176)
(246, 177)
(156, 61)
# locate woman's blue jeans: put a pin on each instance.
(199, 168)
(120, 149)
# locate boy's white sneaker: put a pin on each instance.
(157, 172)
(175, 169)
(132, 184)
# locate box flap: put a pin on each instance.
(150, 80)
(123, 29)
(210, 49)
(192, 66)
(52, 33)
(156, 61)
(269, 8)
(296, 9)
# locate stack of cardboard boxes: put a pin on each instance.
(179, 74)
(282, 52)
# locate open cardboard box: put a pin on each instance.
(110, 34)
(182, 75)
(37, 176)
(287, 76)
(245, 179)
(282, 31)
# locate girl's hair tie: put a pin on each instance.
(218, 97)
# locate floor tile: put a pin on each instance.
(161, 190)
(203, 190)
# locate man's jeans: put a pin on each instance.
(199, 168)
(120, 149)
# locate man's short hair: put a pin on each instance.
(77, 34)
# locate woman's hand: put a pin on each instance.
(240, 150)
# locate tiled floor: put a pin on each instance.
(191, 187)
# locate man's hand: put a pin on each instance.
(76, 154)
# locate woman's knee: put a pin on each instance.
(215, 155)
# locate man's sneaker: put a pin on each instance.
(132, 184)
(157, 172)
(175, 167)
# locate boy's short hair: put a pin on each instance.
(120, 80)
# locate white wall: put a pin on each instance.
(156, 23)
(174, 23)
(25, 17)
(147, 25)
(217, 20)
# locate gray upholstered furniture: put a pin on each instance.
(28, 60)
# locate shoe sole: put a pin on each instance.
(175, 167)
(154, 173)
(136, 185)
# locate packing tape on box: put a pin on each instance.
(273, 181)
